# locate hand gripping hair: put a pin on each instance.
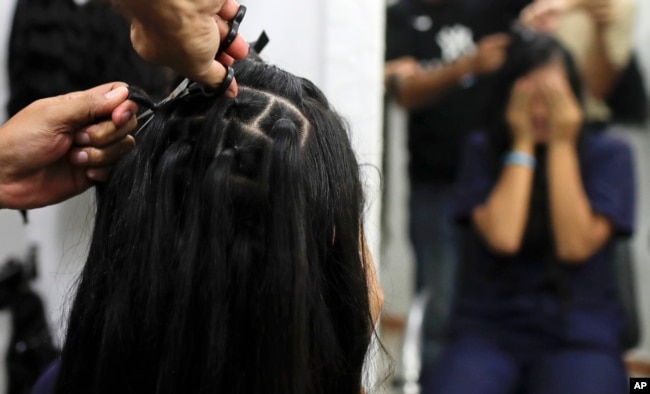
(214, 267)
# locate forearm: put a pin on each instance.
(426, 87)
(599, 72)
(501, 221)
(577, 231)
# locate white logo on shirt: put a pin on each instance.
(455, 41)
(422, 23)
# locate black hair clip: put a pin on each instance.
(234, 29)
(261, 42)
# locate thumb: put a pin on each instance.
(79, 109)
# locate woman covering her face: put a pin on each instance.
(543, 202)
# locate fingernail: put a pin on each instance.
(81, 157)
(126, 117)
(231, 92)
(82, 138)
(116, 92)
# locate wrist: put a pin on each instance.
(563, 138)
(561, 143)
(524, 145)
(519, 158)
(464, 66)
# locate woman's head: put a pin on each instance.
(532, 59)
(539, 108)
(226, 252)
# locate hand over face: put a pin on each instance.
(518, 115)
(58, 147)
(186, 37)
(565, 115)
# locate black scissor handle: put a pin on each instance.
(234, 29)
(219, 91)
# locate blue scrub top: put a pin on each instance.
(45, 384)
(525, 313)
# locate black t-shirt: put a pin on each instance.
(437, 34)
(494, 16)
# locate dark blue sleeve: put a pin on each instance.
(45, 384)
(474, 181)
(610, 182)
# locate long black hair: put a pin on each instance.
(226, 256)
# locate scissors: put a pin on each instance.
(187, 87)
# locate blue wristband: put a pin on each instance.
(520, 159)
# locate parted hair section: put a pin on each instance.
(226, 254)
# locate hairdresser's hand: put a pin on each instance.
(401, 68)
(518, 115)
(398, 70)
(565, 115)
(600, 11)
(542, 15)
(185, 35)
(58, 147)
(490, 54)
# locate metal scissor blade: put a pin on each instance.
(180, 91)
(148, 115)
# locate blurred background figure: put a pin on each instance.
(600, 36)
(60, 46)
(434, 58)
(543, 200)
(31, 347)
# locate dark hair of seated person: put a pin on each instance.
(225, 256)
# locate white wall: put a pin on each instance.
(640, 141)
(643, 35)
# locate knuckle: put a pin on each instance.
(101, 133)
(96, 156)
